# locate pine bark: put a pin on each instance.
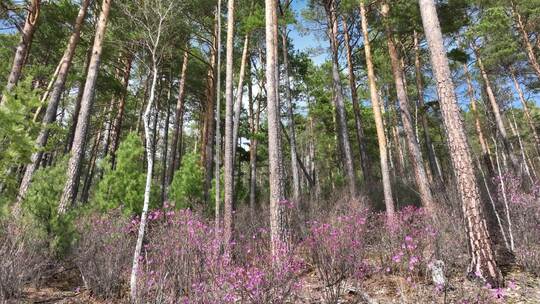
(21, 53)
(77, 151)
(415, 154)
(531, 56)
(383, 153)
(54, 100)
(239, 95)
(483, 263)
(254, 115)
(175, 156)
(228, 161)
(365, 162)
(339, 104)
(279, 234)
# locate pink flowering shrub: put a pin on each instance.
(183, 261)
(104, 253)
(405, 246)
(336, 248)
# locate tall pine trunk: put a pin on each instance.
(228, 161)
(279, 234)
(175, 156)
(21, 53)
(531, 56)
(365, 162)
(483, 263)
(415, 154)
(496, 111)
(239, 95)
(77, 151)
(337, 90)
(54, 100)
(383, 153)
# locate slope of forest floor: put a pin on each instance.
(66, 286)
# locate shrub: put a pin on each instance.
(336, 248)
(104, 252)
(124, 186)
(40, 208)
(22, 259)
(186, 188)
(183, 262)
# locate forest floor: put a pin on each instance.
(65, 286)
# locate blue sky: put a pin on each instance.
(309, 42)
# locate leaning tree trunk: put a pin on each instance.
(22, 50)
(486, 153)
(174, 157)
(432, 156)
(239, 95)
(228, 161)
(77, 151)
(52, 107)
(495, 109)
(483, 263)
(360, 135)
(389, 203)
(415, 154)
(341, 116)
(279, 234)
(254, 126)
(530, 121)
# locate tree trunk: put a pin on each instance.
(341, 116)
(91, 167)
(118, 120)
(364, 159)
(415, 154)
(483, 263)
(279, 233)
(77, 109)
(52, 107)
(239, 95)
(228, 161)
(77, 151)
(254, 126)
(22, 50)
(175, 156)
(525, 109)
(165, 146)
(389, 203)
(486, 153)
(432, 156)
(149, 168)
(496, 111)
(217, 87)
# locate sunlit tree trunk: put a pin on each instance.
(415, 154)
(383, 154)
(341, 115)
(239, 95)
(365, 162)
(483, 263)
(21, 53)
(228, 161)
(77, 151)
(175, 156)
(54, 100)
(432, 157)
(254, 115)
(279, 234)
